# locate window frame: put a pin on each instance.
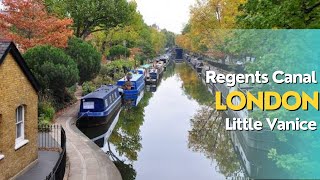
(21, 140)
(22, 135)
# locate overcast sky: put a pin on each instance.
(169, 14)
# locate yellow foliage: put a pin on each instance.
(209, 24)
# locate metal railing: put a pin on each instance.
(53, 138)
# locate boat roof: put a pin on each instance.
(146, 66)
(153, 70)
(135, 77)
(101, 92)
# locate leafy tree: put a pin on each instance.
(170, 38)
(28, 23)
(158, 40)
(92, 15)
(119, 51)
(208, 26)
(287, 14)
(86, 56)
(143, 40)
(54, 69)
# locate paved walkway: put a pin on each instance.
(46, 161)
(87, 160)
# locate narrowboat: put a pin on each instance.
(199, 67)
(140, 71)
(132, 89)
(153, 76)
(165, 60)
(160, 66)
(99, 106)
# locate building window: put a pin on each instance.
(20, 135)
(20, 124)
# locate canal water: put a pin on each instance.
(173, 133)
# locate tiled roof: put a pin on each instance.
(4, 45)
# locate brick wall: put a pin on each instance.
(16, 90)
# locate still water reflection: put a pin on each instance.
(173, 134)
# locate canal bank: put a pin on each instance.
(86, 160)
(173, 133)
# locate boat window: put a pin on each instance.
(88, 105)
(106, 102)
(115, 93)
(110, 99)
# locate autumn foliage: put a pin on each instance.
(28, 24)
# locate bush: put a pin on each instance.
(116, 67)
(87, 58)
(54, 70)
(46, 112)
(118, 51)
(88, 87)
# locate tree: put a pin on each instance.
(93, 15)
(87, 58)
(28, 24)
(158, 39)
(209, 26)
(170, 38)
(118, 51)
(54, 70)
(287, 14)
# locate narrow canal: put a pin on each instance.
(173, 133)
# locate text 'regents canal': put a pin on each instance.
(242, 101)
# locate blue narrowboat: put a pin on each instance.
(140, 71)
(132, 89)
(99, 106)
(153, 76)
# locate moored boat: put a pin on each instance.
(132, 89)
(160, 66)
(99, 106)
(165, 60)
(153, 76)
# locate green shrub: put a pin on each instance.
(116, 68)
(88, 87)
(118, 51)
(46, 112)
(54, 70)
(86, 56)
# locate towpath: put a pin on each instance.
(86, 160)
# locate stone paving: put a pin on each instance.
(46, 161)
(87, 160)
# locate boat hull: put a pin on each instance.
(98, 118)
(132, 99)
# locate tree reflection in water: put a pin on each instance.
(192, 85)
(208, 135)
(126, 138)
(126, 135)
